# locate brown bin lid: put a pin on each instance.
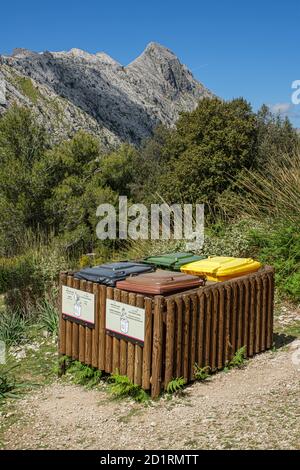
(160, 282)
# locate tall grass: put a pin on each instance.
(271, 199)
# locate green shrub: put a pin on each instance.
(84, 375)
(13, 327)
(9, 386)
(48, 316)
(201, 373)
(176, 385)
(238, 359)
(121, 386)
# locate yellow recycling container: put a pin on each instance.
(221, 268)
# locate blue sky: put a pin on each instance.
(236, 48)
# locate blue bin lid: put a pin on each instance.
(109, 273)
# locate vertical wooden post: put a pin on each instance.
(69, 325)
(269, 342)
(207, 328)
(75, 329)
(169, 343)
(221, 328)
(264, 312)
(257, 344)
(88, 334)
(115, 340)
(102, 335)
(62, 327)
(147, 345)
(138, 353)
(108, 338)
(179, 337)
(186, 337)
(82, 330)
(252, 317)
(227, 343)
(201, 326)
(95, 331)
(123, 343)
(214, 329)
(157, 347)
(193, 300)
(240, 316)
(246, 315)
(130, 346)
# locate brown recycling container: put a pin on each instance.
(160, 283)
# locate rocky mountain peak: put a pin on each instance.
(99, 94)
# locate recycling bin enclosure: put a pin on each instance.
(221, 268)
(108, 274)
(160, 282)
(173, 261)
(172, 333)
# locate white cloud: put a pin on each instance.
(282, 108)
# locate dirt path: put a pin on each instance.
(255, 407)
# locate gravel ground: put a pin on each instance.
(254, 407)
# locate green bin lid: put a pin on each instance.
(173, 260)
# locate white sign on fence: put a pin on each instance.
(78, 304)
(125, 320)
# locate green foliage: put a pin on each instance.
(238, 359)
(201, 373)
(17, 272)
(9, 386)
(176, 385)
(13, 327)
(48, 315)
(280, 247)
(208, 148)
(27, 88)
(84, 375)
(120, 386)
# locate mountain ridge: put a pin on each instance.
(76, 89)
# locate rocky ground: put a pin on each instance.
(255, 407)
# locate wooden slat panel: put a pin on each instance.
(179, 337)
(221, 328)
(131, 346)
(62, 322)
(201, 329)
(157, 347)
(194, 307)
(81, 331)
(69, 325)
(108, 338)
(138, 353)
(169, 341)
(75, 329)
(102, 335)
(186, 336)
(147, 352)
(214, 329)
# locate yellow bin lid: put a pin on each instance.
(221, 267)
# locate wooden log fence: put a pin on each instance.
(203, 327)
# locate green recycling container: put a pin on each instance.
(173, 261)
